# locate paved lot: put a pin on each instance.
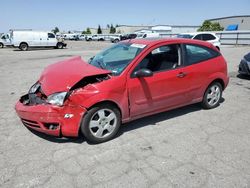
(187, 147)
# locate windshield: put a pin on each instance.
(117, 58)
(186, 36)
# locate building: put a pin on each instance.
(163, 29)
(231, 23)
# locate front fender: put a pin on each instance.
(91, 98)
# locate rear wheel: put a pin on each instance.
(212, 96)
(116, 40)
(59, 45)
(1, 45)
(24, 46)
(101, 123)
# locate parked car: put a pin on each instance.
(148, 35)
(129, 36)
(81, 37)
(123, 37)
(244, 66)
(130, 80)
(24, 40)
(115, 38)
(205, 36)
(5, 40)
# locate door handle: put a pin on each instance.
(181, 74)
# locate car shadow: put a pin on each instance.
(36, 49)
(244, 77)
(78, 140)
(136, 124)
(155, 119)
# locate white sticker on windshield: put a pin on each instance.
(138, 45)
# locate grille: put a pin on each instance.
(30, 123)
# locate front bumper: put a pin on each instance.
(51, 119)
(244, 68)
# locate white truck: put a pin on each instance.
(5, 40)
(25, 39)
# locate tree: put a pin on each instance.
(209, 26)
(112, 29)
(56, 30)
(108, 26)
(87, 32)
(99, 30)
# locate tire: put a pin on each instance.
(212, 96)
(101, 123)
(24, 46)
(116, 40)
(1, 45)
(59, 45)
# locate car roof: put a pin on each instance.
(196, 33)
(155, 41)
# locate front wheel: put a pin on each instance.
(212, 96)
(101, 123)
(1, 45)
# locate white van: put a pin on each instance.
(5, 40)
(26, 39)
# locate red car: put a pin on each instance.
(130, 80)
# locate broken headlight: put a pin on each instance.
(57, 98)
(34, 88)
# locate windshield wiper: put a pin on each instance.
(100, 64)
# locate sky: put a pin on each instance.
(77, 15)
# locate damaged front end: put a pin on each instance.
(59, 113)
(36, 95)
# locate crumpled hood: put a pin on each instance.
(63, 75)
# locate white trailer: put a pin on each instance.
(25, 39)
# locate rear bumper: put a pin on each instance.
(244, 68)
(51, 120)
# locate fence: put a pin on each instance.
(234, 37)
(226, 37)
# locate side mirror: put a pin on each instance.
(143, 73)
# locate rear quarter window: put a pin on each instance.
(195, 54)
(207, 37)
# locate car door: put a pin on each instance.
(51, 40)
(198, 64)
(167, 87)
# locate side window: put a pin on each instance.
(198, 37)
(51, 35)
(207, 37)
(3, 37)
(162, 58)
(195, 54)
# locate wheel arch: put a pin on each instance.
(96, 104)
(106, 102)
(23, 43)
(219, 80)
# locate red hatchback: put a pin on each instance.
(129, 80)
